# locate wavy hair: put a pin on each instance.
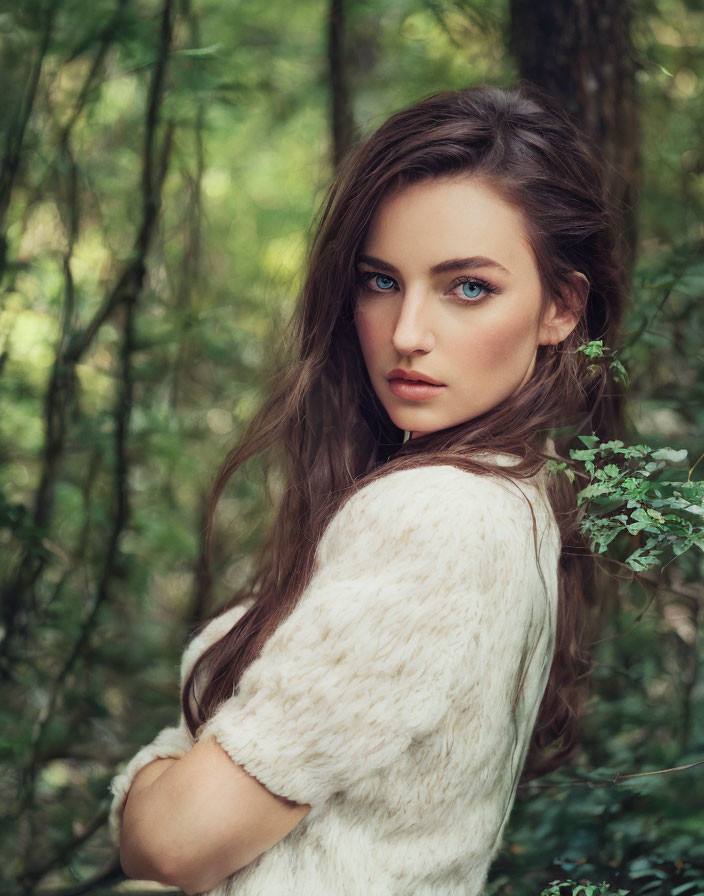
(323, 425)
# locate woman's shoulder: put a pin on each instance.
(440, 488)
(212, 631)
(437, 505)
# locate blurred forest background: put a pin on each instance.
(162, 162)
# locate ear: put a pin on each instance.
(558, 323)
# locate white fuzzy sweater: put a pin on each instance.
(386, 699)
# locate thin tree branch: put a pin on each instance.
(155, 165)
(609, 782)
(61, 858)
(16, 132)
(72, 346)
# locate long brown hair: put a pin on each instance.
(327, 431)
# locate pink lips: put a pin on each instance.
(413, 375)
(413, 386)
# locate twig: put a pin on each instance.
(606, 782)
(16, 132)
(689, 475)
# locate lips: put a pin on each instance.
(420, 390)
(411, 376)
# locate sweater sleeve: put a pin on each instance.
(407, 598)
(173, 741)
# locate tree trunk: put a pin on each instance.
(342, 116)
(580, 52)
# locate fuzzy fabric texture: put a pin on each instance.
(399, 696)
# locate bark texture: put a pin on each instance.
(580, 51)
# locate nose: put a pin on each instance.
(413, 331)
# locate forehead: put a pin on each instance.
(440, 218)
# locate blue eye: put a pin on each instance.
(472, 289)
(372, 281)
(387, 281)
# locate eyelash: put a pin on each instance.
(364, 277)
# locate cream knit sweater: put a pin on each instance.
(386, 699)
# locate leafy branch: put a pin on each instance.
(597, 350)
(621, 493)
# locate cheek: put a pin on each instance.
(369, 332)
(501, 341)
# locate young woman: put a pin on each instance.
(413, 639)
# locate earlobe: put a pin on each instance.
(559, 323)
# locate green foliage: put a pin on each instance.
(16, 519)
(623, 496)
(572, 888)
(597, 349)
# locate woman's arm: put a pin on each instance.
(199, 819)
(149, 774)
(134, 855)
(173, 742)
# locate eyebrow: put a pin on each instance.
(453, 264)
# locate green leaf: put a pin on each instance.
(620, 374)
(683, 888)
(589, 441)
(593, 349)
(670, 455)
(199, 51)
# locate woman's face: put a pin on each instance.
(448, 289)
